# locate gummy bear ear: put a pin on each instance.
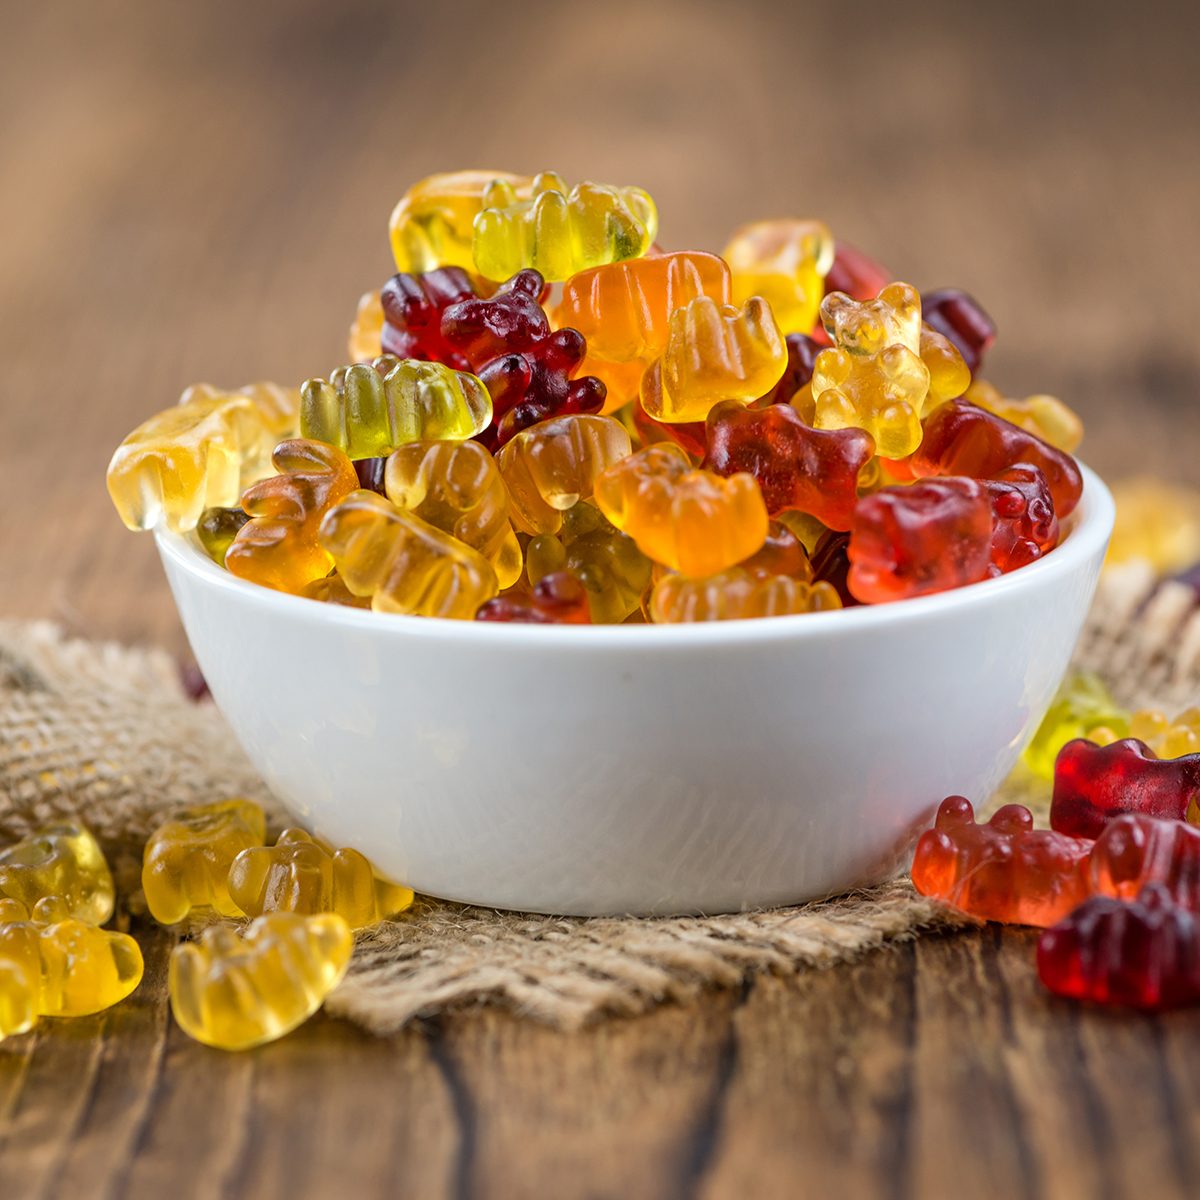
(835, 309)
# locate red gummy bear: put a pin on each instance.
(831, 565)
(1143, 953)
(691, 435)
(926, 537)
(797, 467)
(412, 310)
(1002, 871)
(557, 599)
(507, 340)
(855, 273)
(1093, 784)
(959, 317)
(1135, 850)
(802, 354)
(962, 439)
(1024, 526)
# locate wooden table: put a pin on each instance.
(202, 192)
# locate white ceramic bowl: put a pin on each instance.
(642, 769)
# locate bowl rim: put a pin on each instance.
(1088, 530)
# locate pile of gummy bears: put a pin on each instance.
(227, 989)
(549, 419)
(1115, 880)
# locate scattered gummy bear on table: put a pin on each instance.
(547, 417)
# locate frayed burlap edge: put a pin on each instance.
(104, 734)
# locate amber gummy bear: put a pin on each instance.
(234, 991)
(301, 874)
(64, 861)
(186, 861)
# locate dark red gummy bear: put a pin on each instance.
(691, 435)
(1135, 850)
(797, 467)
(929, 536)
(802, 354)
(1093, 784)
(1024, 525)
(412, 310)
(370, 472)
(507, 341)
(831, 565)
(557, 599)
(959, 317)
(1143, 953)
(962, 439)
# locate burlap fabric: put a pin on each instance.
(105, 734)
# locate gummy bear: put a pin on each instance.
(560, 232)
(785, 262)
(690, 520)
(278, 546)
(365, 341)
(781, 554)
(187, 859)
(624, 309)
(551, 466)
(55, 965)
(958, 316)
(1093, 784)
(1134, 850)
(872, 377)
(558, 598)
(927, 537)
(403, 563)
(802, 352)
(691, 436)
(216, 530)
(368, 410)
(962, 439)
(714, 352)
(434, 223)
(1157, 522)
(1004, 870)
(301, 874)
(1082, 707)
(1166, 737)
(199, 454)
(736, 594)
(813, 470)
(1024, 526)
(949, 376)
(1044, 416)
(1143, 953)
(856, 274)
(613, 571)
(526, 368)
(456, 487)
(234, 992)
(62, 860)
(412, 307)
(332, 589)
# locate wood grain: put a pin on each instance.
(201, 192)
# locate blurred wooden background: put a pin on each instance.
(201, 191)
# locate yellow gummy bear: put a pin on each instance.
(737, 594)
(714, 352)
(200, 454)
(560, 231)
(864, 328)
(949, 375)
(551, 466)
(234, 992)
(1157, 522)
(456, 487)
(1083, 708)
(403, 563)
(53, 965)
(1166, 737)
(368, 410)
(1044, 416)
(434, 223)
(60, 860)
(187, 859)
(785, 262)
(366, 333)
(302, 874)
